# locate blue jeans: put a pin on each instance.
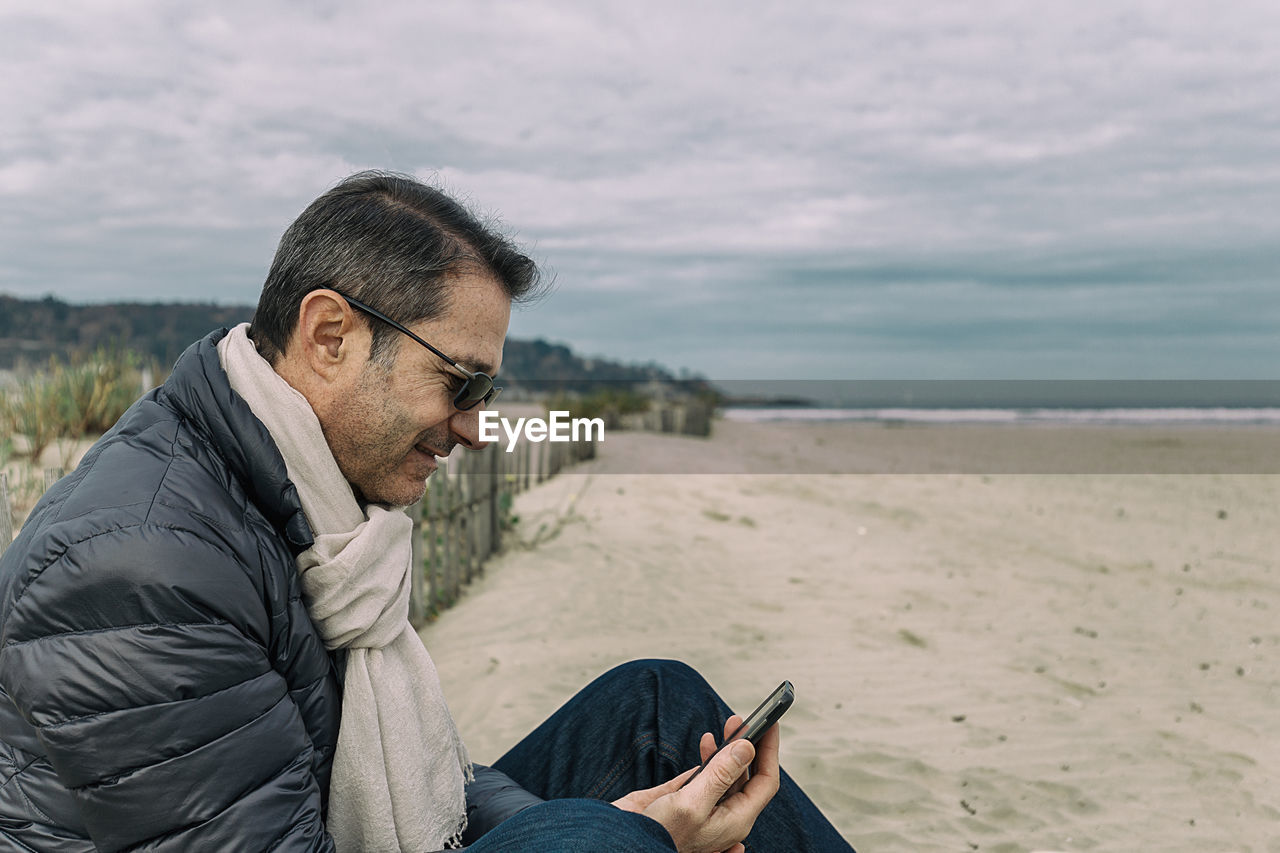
(634, 727)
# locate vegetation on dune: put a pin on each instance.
(606, 402)
(71, 400)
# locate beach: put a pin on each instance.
(983, 659)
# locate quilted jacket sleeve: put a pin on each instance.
(139, 655)
(493, 797)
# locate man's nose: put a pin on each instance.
(466, 426)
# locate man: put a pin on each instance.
(204, 641)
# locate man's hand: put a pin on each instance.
(717, 810)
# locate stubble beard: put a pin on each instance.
(372, 442)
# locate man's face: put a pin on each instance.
(387, 428)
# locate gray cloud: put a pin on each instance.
(746, 189)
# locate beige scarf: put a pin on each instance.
(400, 766)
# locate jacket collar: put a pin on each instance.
(198, 390)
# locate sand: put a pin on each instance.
(997, 662)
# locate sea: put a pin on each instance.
(1109, 416)
(1102, 402)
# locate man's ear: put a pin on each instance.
(328, 337)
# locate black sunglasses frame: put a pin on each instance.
(466, 398)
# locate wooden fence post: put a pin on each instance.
(697, 418)
(479, 522)
(478, 530)
(480, 471)
(473, 540)
(466, 483)
(461, 516)
(6, 515)
(454, 539)
(458, 521)
(434, 580)
(526, 465)
(417, 592)
(496, 483)
(445, 518)
(521, 449)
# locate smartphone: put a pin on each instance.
(760, 721)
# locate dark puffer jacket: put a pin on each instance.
(163, 686)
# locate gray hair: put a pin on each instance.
(391, 242)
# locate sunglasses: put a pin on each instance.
(478, 387)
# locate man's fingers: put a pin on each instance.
(766, 775)
(731, 763)
(732, 786)
(676, 783)
(767, 751)
(719, 774)
(731, 725)
(638, 801)
(707, 746)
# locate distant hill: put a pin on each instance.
(32, 330)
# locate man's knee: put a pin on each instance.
(656, 672)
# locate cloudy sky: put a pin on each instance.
(745, 189)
